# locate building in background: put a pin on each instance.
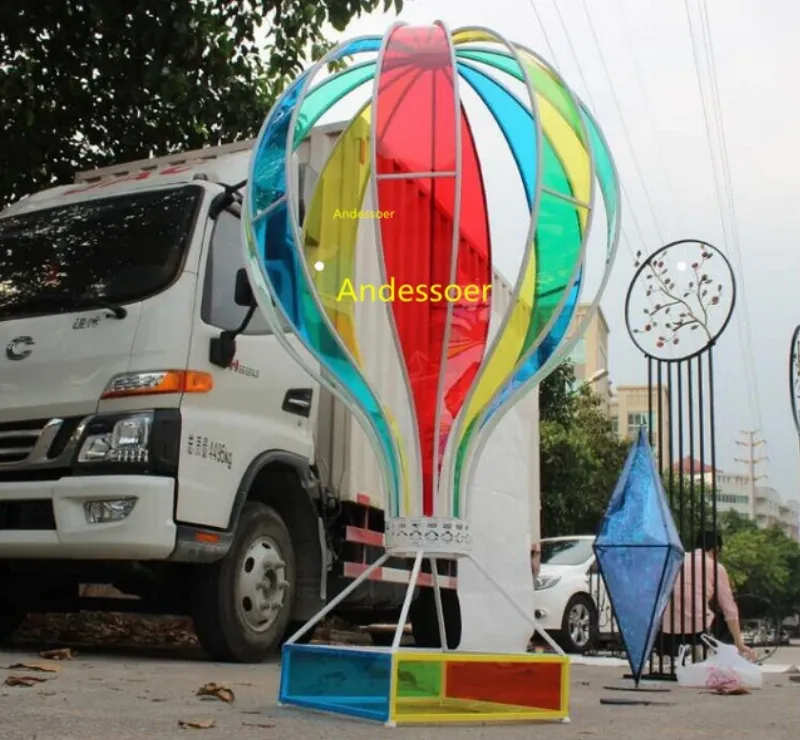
(630, 409)
(790, 518)
(589, 356)
(734, 493)
(627, 406)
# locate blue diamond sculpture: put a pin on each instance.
(639, 553)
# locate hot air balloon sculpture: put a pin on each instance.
(403, 191)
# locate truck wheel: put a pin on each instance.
(9, 623)
(425, 623)
(242, 604)
(578, 625)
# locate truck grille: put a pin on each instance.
(36, 444)
(18, 439)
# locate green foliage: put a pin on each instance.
(581, 458)
(763, 563)
(581, 461)
(691, 506)
(84, 83)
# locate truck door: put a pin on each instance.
(262, 401)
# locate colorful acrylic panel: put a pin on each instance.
(346, 681)
(416, 686)
(639, 553)
(410, 149)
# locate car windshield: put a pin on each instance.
(566, 552)
(119, 249)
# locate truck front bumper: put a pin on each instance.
(148, 532)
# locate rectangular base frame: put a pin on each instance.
(410, 686)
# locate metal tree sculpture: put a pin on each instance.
(679, 303)
(679, 291)
(794, 377)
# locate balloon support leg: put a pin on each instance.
(397, 685)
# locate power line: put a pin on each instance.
(629, 211)
(648, 108)
(618, 106)
(731, 202)
(721, 195)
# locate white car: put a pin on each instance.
(571, 599)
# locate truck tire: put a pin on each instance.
(425, 623)
(9, 623)
(242, 604)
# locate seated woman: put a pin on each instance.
(689, 615)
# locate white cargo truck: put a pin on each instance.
(155, 436)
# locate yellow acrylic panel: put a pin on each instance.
(329, 235)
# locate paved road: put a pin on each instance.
(141, 694)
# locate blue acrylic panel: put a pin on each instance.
(268, 178)
(638, 512)
(514, 120)
(639, 553)
(352, 682)
(639, 582)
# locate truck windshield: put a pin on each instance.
(119, 249)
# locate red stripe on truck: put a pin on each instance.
(396, 575)
(363, 536)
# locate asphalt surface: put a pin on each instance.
(143, 694)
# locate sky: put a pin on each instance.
(632, 62)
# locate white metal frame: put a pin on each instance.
(419, 555)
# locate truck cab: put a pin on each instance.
(154, 435)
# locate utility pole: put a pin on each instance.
(751, 461)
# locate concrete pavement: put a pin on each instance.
(144, 694)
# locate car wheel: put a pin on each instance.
(242, 604)
(578, 625)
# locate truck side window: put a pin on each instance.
(224, 259)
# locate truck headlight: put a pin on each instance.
(117, 439)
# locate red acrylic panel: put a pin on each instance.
(415, 113)
(418, 251)
(535, 685)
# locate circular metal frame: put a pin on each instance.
(794, 376)
(653, 266)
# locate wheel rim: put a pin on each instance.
(262, 585)
(580, 623)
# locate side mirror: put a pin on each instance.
(243, 293)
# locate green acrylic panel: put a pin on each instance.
(419, 679)
(559, 238)
(327, 94)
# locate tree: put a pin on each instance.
(691, 506)
(86, 82)
(581, 458)
(762, 563)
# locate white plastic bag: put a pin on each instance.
(723, 667)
